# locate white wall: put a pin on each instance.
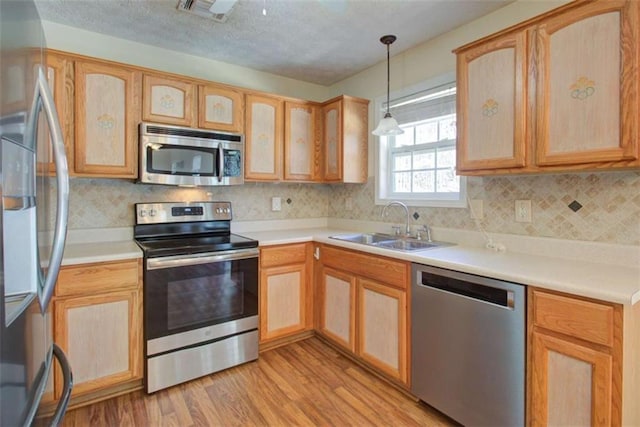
(431, 59)
(69, 39)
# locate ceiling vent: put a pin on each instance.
(218, 10)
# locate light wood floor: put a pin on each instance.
(305, 383)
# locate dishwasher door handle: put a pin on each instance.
(476, 291)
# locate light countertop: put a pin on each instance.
(85, 253)
(600, 281)
(606, 282)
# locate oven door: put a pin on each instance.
(195, 298)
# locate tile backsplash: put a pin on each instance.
(610, 209)
(609, 212)
(103, 203)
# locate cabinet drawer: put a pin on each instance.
(98, 277)
(590, 321)
(381, 269)
(283, 255)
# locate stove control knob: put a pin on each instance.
(227, 210)
(152, 212)
(143, 213)
(218, 210)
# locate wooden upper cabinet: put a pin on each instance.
(170, 101)
(302, 155)
(107, 113)
(263, 138)
(59, 73)
(346, 139)
(491, 110)
(587, 87)
(220, 108)
(558, 92)
(332, 117)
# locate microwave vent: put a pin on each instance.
(217, 10)
(190, 133)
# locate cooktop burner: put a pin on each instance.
(166, 229)
(194, 245)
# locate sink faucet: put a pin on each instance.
(407, 231)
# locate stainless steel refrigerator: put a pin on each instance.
(34, 190)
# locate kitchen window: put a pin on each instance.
(419, 166)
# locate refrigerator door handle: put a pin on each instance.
(44, 98)
(68, 386)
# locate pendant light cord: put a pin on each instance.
(388, 77)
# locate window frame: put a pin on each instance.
(383, 184)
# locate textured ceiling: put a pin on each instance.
(318, 41)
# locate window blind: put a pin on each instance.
(420, 106)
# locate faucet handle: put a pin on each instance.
(425, 229)
(396, 230)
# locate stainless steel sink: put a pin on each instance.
(388, 241)
(364, 238)
(409, 244)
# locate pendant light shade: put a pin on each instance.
(388, 125)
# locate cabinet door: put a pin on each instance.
(570, 383)
(491, 104)
(168, 101)
(59, 71)
(263, 149)
(337, 307)
(587, 85)
(301, 145)
(332, 137)
(220, 108)
(283, 297)
(101, 336)
(355, 140)
(382, 327)
(107, 113)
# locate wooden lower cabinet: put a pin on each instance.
(364, 313)
(382, 327)
(575, 361)
(285, 291)
(99, 327)
(338, 311)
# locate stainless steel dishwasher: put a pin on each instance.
(468, 346)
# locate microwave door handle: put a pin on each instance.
(43, 94)
(67, 376)
(220, 162)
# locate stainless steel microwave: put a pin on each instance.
(174, 155)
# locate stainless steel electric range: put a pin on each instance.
(200, 291)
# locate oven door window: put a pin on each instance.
(180, 160)
(179, 299)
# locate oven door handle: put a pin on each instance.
(208, 258)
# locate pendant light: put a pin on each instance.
(388, 125)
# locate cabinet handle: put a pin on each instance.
(316, 252)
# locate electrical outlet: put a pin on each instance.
(348, 204)
(476, 209)
(276, 204)
(523, 210)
